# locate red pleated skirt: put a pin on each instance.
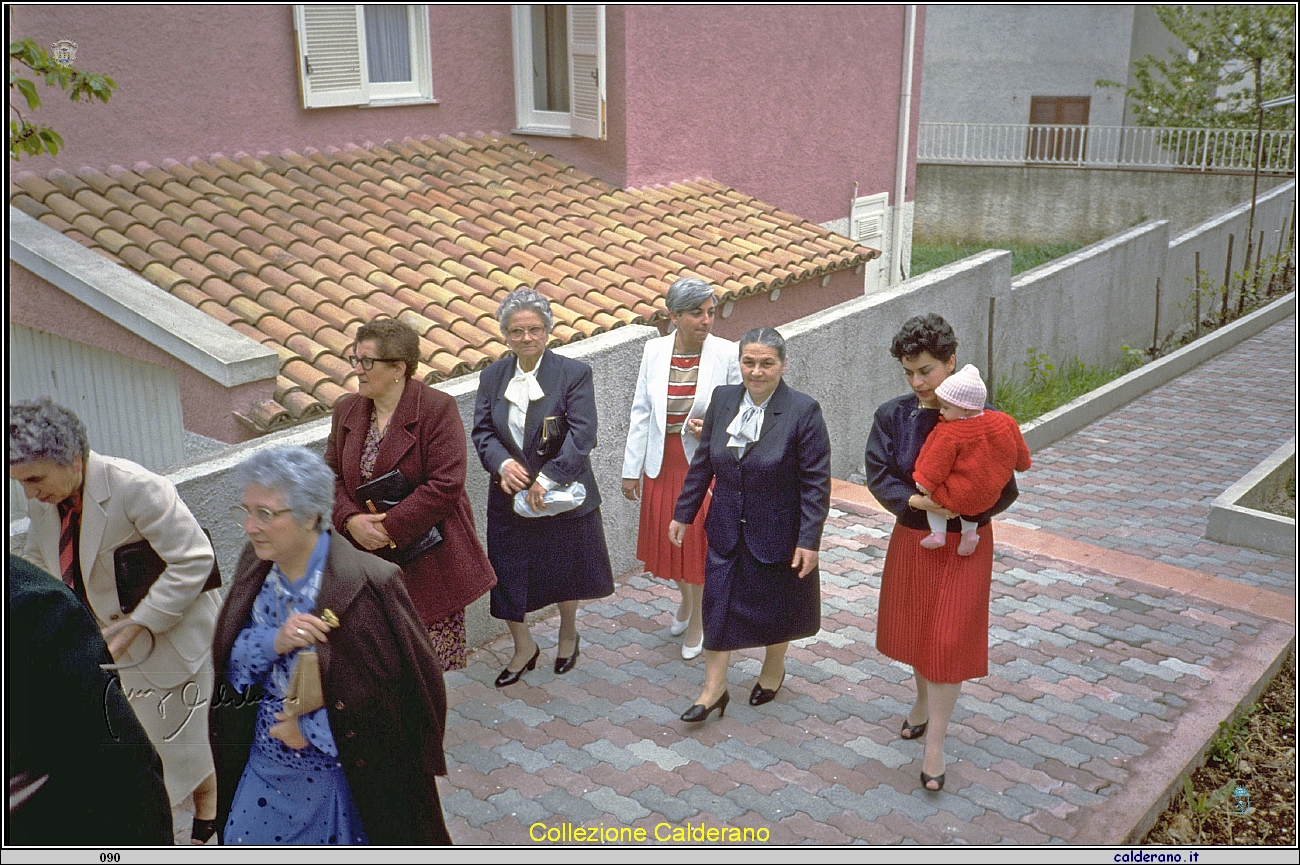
(934, 606)
(658, 499)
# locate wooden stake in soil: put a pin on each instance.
(1227, 282)
(1198, 294)
(989, 372)
(1155, 333)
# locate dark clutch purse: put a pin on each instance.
(554, 430)
(137, 567)
(383, 493)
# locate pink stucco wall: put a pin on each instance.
(207, 406)
(790, 104)
(794, 301)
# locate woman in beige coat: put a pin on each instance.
(101, 503)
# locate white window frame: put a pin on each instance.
(561, 124)
(346, 49)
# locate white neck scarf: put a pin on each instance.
(747, 426)
(522, 390)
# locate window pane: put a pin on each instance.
(388, 43)
(550, 58)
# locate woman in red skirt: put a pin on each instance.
(934, 603)
(678, 375)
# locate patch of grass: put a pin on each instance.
(1024, 256)
(1049, 386)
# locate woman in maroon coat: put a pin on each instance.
(397, 423)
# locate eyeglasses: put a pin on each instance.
(368, 363)
(260, 516)
(518, 333)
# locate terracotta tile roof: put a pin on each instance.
(297, 250)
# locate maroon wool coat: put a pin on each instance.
(426, 441)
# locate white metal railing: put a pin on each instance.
(1105, 147)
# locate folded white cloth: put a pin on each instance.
(747, 426)
(557, 501)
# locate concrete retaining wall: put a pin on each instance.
(1237, 517)
(1088, 304)
(1048, 204)
(1210, 238)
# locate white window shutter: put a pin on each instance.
(332, 54)
(587, 70)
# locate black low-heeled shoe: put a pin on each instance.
(698, 712)
(564, 665)
(911, 732)
(201, 831)
(761, 695)
(927, 779)
(509, 676)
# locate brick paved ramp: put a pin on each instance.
(1142, 479)
(1101, 689)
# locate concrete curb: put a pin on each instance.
(1058, 423)
(1233, 520)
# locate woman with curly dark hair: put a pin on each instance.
(934, 603)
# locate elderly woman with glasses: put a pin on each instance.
(330, 708)
(534, 429)
(400, 429)
(677, 378)
(85, 506)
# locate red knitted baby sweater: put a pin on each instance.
(966, 463)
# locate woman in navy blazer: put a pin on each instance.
(767, 448)
(551, 559)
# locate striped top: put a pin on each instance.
(683, 375)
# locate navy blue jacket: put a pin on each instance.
(777, 497)
(569, 393)
(900, 428)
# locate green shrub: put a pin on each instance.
(1048, 386)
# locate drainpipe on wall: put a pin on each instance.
(896, 272)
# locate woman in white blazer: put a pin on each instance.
(104, 503)
(678, 374)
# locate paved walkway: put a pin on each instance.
(1142, 479)
(1113, 656)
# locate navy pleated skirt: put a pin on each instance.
(546, 560)
(748, 603)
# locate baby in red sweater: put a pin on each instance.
(968, 458)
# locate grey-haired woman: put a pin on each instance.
(534, 429)
(678, 374)
(358, 766)
(83, 507)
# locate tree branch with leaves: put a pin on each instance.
(26, 58)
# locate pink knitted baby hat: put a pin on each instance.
(964, 389)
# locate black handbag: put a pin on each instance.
(136, 567)
(382, 494)
(554, 430)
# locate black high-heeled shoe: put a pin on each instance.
(761, 695)
(911, 731)
(509, 676)
(927, 779)
(564, 665)
(698, 712)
